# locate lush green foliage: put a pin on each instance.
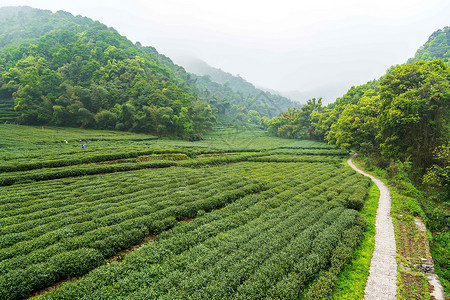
(438, 175)
(286, 213)
(232, 95)
(90, 76)
(294, 123)
(289, 230)
(406, 118)
(437, 46)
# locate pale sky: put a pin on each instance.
(286, 45)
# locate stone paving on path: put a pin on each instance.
(382, 281)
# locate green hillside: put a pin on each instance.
(80, 73)
(7, 113)
(229, 90)
(19, 24)
(437, 46)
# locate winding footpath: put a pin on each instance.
(382, 281)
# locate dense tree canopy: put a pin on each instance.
(294, 123)
(71, 71)
(437, 46)
(405, 116)
(91, 76)
(407, 119)
(231, 99)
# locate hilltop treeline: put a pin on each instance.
(87, 75)
(235, 96)
(437, 46)
(67, 70)
(402, 116)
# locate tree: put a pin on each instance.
(437, 176)
(415, 102)
(106, 120)
(254, 117)
(357, 126)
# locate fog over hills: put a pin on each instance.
(320, 48)
(328, 93)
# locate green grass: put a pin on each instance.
(352, 280)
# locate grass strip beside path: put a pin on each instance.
(352, 280)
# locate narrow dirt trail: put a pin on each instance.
(382, 281)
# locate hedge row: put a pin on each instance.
(296, 158)
(271, 244)
(308, 144)
(22, 282)
(82, 170)
(73, 171)
(296, 151)
(67, 161)
(51, 159)
(108, 230)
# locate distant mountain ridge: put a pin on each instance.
(268, 103)
(197, 66)
(237, 83)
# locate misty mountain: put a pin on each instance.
(21, 24)
(328, 93)
(266, 102)
(237, 83)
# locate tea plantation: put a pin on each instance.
(238, 215)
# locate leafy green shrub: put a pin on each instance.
(75, 263)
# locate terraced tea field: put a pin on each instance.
(229, 219)
(7, 113)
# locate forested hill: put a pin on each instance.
(71, 71)
(19, 24)
(65, 70)
(403, 116)
(437, 46)
(234, 91)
